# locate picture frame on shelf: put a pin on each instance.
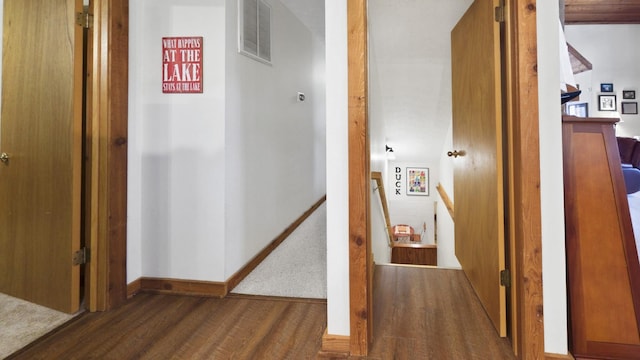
(606, 102)
(629, 107)
(417, 181)
(579, 109)
(628, 94)
(606, 87)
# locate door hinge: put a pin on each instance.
(505, 278)
(499, 13)
(84, 19)
(81, 256)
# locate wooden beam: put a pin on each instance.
(360, 268)
(108, 165)
(335, 344)
(602, 12)
(525, 234)
(578, 62)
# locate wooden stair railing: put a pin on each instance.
(377, 176)
(447, 201)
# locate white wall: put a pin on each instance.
(551, 180)
(176, 147)
(338, 320)
(1, 34)
(410, 93)
(214, 177)
(614, 53)
(446, 229)
(378, 162)
(412, 210)
(275, 144)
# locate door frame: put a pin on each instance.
(523, 180)
(106, 212)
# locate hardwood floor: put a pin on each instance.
(153, 326)
(431, 314)
(419, 314)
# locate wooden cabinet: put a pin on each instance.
(414, 254)
(602, 263)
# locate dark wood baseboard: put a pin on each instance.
(133, 288)
(277, 298)
(183, 287)
(211, 288)
(236, 278)
(176, 287)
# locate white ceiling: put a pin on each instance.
(310, 12)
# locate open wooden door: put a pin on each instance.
(41, 134)
(478, 163)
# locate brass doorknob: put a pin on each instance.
(4, 157)
(455, 153)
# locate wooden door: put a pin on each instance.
(41, 131)
(478, 172)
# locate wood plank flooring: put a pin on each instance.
(431, 314)
(153, 326)
(419, 314)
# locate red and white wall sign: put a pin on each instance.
(182, 64)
